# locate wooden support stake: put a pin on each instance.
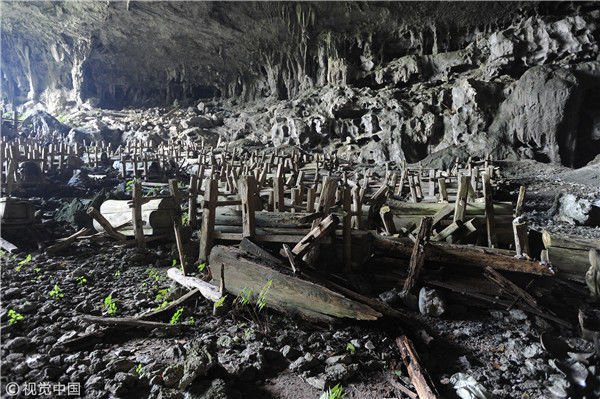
(417, 257)
(347, 228)
(520, 231)
(136, 209)
(193, 202)
(489, 211)
(461, 198)
(247, 190)
(177, 224)
(278, 194)
(442, 189)
(520, 202)
(211, 192)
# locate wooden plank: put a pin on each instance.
(418, 374)
(417, 256)
(287, 293)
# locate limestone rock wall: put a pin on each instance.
(378, 81)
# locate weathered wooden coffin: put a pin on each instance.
(287, 293)
(156, 216)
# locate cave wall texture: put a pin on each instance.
(390, 81)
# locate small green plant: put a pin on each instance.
(174, 262)
(220, 302)
(117, 273)
(350, 348)
(27, 259)
(262, 296)
(190, 320)
(163, 294)
(337, 392)
(37, 269)
(56, 292)
(81, 280)
(110, 304)
(185, 218)
(244, 297)
(162, 305)
(176, 316)
(201, 267)
(129, 184)
(138, 369)
(247, 332)
(14, 317)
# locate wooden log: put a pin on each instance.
(461, 255)
(418, 374)
(291, 258)
(417, 256)
(207, 290)
(208, 219)
(430, 208)
(287, 293)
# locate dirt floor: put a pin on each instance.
(474, 350)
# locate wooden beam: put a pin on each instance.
(108, 228)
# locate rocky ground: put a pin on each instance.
(248, 354)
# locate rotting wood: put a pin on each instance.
(417, 256)
(418, 374)
(315, 235)
(461, 255)
(287, 293)
(208, 219)
(461, 198)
